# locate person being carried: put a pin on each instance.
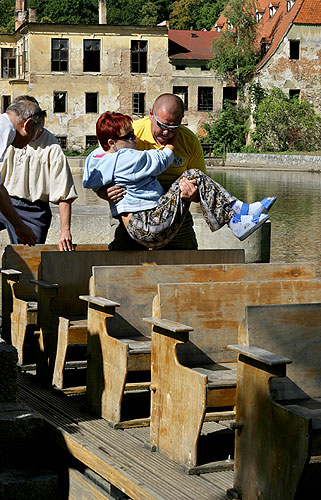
(151, 217)
(35, 176)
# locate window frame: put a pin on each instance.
(9, 58)
(201, 97)
(60, 50)
(142, 57)
(141, 97)
(56, 92)
(182, 90)
(97, 102)
(90, 61)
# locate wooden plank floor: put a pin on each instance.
(119, 456)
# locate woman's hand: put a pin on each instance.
(112, 193)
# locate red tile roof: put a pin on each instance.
(310, 13)
(191, 44)
(273, 29)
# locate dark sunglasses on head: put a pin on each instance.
(163, 126)
(128, 137)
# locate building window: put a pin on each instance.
(138, 56)
(294, 93)
(289, 4)
(62, 139)
(264, 48)
(91, 140)
(229, 95)
(180, 68)
(92, 55)
(91, 102)
(59, 54)
(5, 102)
(259, 15)
(182, 92)
(273, 8)
(294, 49)
(204, 68)
(205, 99)
(139, 103)
(8, 63)
(60, 102)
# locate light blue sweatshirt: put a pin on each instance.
(135, 170)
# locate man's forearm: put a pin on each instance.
(65, 215)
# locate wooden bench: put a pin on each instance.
(119, 342)
(19, 296)
(63, 276)
(193, 372)
(278, 412)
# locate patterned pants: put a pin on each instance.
(154, 228)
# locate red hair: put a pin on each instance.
(109, 126)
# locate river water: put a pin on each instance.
(295, 216)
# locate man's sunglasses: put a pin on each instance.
(128, 137)
(163, 126)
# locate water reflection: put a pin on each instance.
(296, 228)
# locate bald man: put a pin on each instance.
(153, 132)
(19, 125)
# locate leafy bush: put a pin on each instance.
(285, 124)
(227, 129)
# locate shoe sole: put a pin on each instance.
(254, 228)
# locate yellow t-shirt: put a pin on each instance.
(188, 151)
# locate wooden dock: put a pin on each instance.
(120, 457)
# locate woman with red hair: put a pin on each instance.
(151, 217)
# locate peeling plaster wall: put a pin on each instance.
(304, 73)
(193, 77)
(114, 83)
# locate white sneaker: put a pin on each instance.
(244, 225)
(256, 208)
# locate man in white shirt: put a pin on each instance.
(34, 176)
(19, 125)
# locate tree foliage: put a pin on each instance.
(227, 128)
(235, 51)
(284, 124)
(196, 14)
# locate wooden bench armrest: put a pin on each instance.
(45, 284)
(99, 301)
(171, 326)
(12, 274)
(265, 357)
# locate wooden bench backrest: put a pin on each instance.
(134, 288)
(215, 311)
(27, 259)
(72, 270)
(292, 331)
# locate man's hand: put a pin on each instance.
(113, 193)
(189, 190)
(25, 234)
(65, 242)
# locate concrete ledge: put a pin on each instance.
(94, 224)
(270, 161)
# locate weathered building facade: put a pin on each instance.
(289, 37)
(78, 71)
(293, 57)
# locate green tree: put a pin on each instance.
(235, 51)
(284, 124)
(227, 128)
(149, 13)
(7, 19)
(204, 14)
(67, 11)
(180, 17)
